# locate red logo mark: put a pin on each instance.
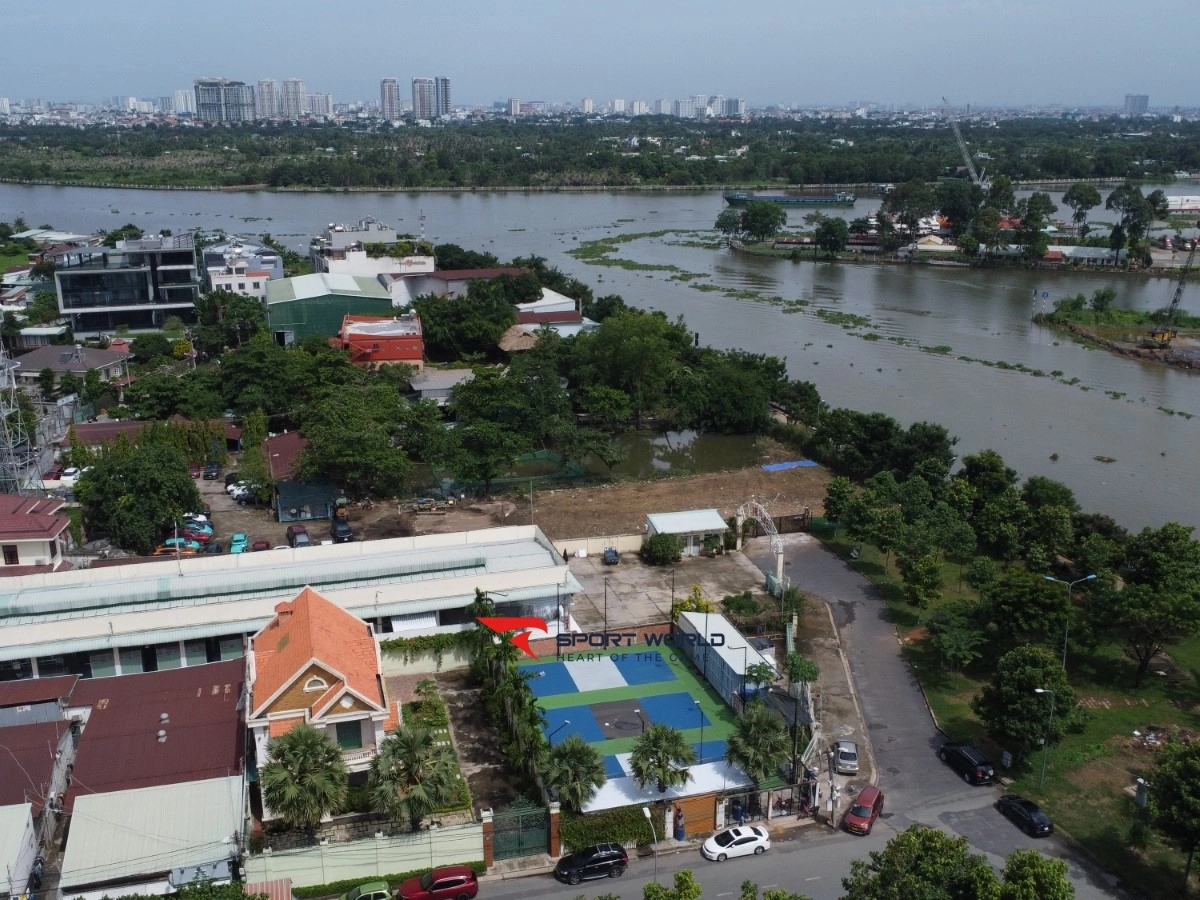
(503, 624)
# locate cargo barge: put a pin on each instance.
(841, 198)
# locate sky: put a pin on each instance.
(787, 52)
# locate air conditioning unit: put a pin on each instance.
(41, 561)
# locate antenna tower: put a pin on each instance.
(15, 445)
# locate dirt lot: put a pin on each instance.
(593, 511)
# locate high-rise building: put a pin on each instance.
(441, 96)
(700, 105)
(684, 109)
(183, 102)
(5, 107)
(587, 106)
(618, 107)
(514, 107)
(293, 99)
(662, 107)
(639, 108)
(318, 105)
(389, 99)
(1136, 104)
(266, 99)
(222, 100)
(423, 98)
(734, 108)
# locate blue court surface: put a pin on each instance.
(550, 679)
(644, 668)
(583, 723)
(612, 768)
(714, 751)
(677, 710)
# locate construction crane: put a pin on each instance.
(977, 178)
(1162, 334)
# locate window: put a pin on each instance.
(241, 285)
(349, 735)
(11, 557)
(316, 683)
(257, 284)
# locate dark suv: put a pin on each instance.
(340, 531)
(967, 761)
(600, 861)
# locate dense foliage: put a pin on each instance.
(568, 152)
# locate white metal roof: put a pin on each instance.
(131, 834)
(15, 820)
(689, 521)
(735, 651)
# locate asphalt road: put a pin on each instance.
(904, 740)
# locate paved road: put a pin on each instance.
(919, 788)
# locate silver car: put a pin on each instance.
(845, 758)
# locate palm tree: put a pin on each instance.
(574, 771)
(661, 756)
(305, 778)
(759, 742)
(412, 775)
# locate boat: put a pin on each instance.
(841, 198)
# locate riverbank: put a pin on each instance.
(1185, 354)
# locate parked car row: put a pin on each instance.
(444, 883)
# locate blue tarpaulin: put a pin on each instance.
(794, 464)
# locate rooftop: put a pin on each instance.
(439, 379)
(468, 274)
(281, 451)
(68, 359)
(30, 518)
(688, 521)
(14, 821)
(323, 284)
(380, 326)
(28, 760)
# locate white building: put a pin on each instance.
(266, 99)
(618, 106)
(587, 106)
(319, 104)
(423, 100)
(293, 99)
(18, 847)
(183, 102)
(389, 99)
(441, 96)
(639, 108)
(514, 107)
(343, 249)
(239, 276)
(662, 107)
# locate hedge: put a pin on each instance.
(337, 888)
(623, 825)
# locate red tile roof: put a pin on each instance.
(309, 629)
(119, 748)
(95, 433)
(281, 452)
(550, 318)
(30, 518)
(27, 764)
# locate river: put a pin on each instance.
(976, 373)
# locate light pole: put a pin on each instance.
(654, 834)
(1070, 587)
(640, 719)
(550, 736)
(606, 605)
(700, 710)
(1046, 740)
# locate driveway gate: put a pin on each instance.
(521, 830)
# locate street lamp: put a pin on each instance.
(654, 834)
(1049, 725)
(606, 605)
(700, 710)
(1070, 587)
(550, 736)
(640, 719)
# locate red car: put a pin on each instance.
(194, 470)
(200, 537)
(53, 474)
(446, 883)
(864, 810)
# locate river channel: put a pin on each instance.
(948, 345)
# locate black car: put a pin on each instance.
(231, 477)
(212, 472)
(214, 547)
(600, 861)
(340, 531)
(1026, 814)
(967, 761)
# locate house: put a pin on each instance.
(378, 341)
(436, 384)
(691, 526)
(369, 248)
(316, 664)
(446, 283)
(154, 840)
(110, 364)
(296, 500)
(32, 534)
(225, 261)
(32, 336)
(319, 303)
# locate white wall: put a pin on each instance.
(625, 543)
(370, 858)
(15, 874)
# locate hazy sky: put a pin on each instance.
(1073, 52)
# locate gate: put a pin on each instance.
(521, 830)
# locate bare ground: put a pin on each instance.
(477, 742)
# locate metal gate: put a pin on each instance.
(521, 830)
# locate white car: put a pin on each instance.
(232, 489)
(845, 757)
(72, 474)
(742, 840)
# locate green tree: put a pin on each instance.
(661, 549)
(911, 201)
(838, 493)
(484, 451)
(1024, 608)
(729, 222)
(10, 330)
(150, 346)
(1014, 714)
(800, 669)
(1035, 214)
(762, 219)
(683, 887)
(959, 201)
(574, 771)
(413, 775)
(253, 467)
(608, 407)
(924, 863)
(305, 777)
(922, 577)
(43, 309)
(47, 383)
(69, 384)
(759, 743)
(1175, 798)
(885, 530)
(352, 440)
(661, 757)
(93, 387)
(1082, 198)
(1030, 875)
(833, 235)
(1001, 196)
(1145, 620)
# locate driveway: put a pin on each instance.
(903, 737)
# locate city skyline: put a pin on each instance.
(1040, 55)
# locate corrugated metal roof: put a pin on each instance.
(736, 652)
(130, 834)
(15, 821)
(689, 521)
